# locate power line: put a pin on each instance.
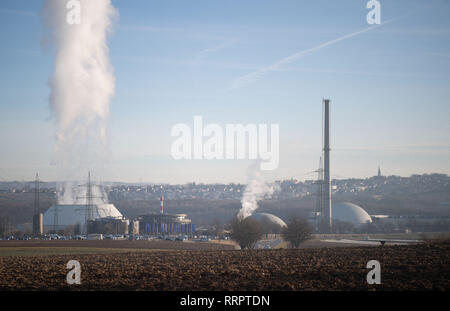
(89, 200)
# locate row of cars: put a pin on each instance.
(197, 238)
(16, 238)
(46, 237)
(52, 237)
(159, 237)
(206, 238)
(49, 237)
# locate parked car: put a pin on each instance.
(54, 237)
(181, 238)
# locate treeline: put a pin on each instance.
(19, 207)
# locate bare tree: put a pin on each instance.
(246, 232)
(343, 226)
(4, 226)
(297, 231)
(217, 227)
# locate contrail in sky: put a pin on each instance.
(253, 76)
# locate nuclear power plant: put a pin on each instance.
(98, 218)
(102, 217)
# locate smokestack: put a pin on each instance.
(161, 206)
(327, 180)
(38, 220)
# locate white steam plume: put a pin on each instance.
(255, 190)
(82, 85)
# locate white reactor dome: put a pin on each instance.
(350, 212)
(267, 218)
(61, 215)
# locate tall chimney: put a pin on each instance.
(327, 180)
(161, 206)
(38, 220)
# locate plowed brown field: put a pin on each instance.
(412, 267)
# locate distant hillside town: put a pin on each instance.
(419, 203)
(378, 186)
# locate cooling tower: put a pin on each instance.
(59, 216)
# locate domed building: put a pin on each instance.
(270, 222)
(349, 212)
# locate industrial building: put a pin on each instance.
(38, 224)
(106, 219)
(60, 216)
(164, 223)
(109, 225)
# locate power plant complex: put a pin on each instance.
(105, 218)
(93, 217)
(101, 218)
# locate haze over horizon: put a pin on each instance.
(244, 62)
(312, 176)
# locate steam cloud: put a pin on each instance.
(255, 190)
(82, 85)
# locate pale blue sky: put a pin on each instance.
(389, 86)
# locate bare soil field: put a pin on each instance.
(411, 267)
(155, 244)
